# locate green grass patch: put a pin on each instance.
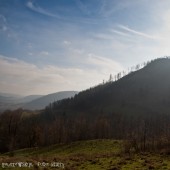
(88, 155)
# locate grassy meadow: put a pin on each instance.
(87, 155)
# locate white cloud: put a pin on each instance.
(2, 17)
(40, 10)
(25, 78)
(30, 53)
(137, 32)
(44, 53)
(4, 28)
(108, 8)
(82, 7)
(65, 42)
(104, 65)
(103, 36)
(3, 23)
(120, 33)
(43, 11)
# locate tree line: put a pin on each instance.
(145, 131)
(137, 67)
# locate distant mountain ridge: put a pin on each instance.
(10, 101)
(43, 101)
(10, 95)
(30, 98)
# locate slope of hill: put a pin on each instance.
(10, 95)
(9, 101)
(31, 102)
(12, 101)
(43, 101)
(30, 98)
(144, 91)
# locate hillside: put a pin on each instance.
(144, 91)
(31, 102)
(12, 102)
(135, 107)
(43, 101)
(29, 98)
(9, 101)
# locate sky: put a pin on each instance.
(58, 45)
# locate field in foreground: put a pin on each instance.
(87, 155)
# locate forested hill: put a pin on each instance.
(135, 107)
(146, 90)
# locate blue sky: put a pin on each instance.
(49, 46)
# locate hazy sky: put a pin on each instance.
(54, 45)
